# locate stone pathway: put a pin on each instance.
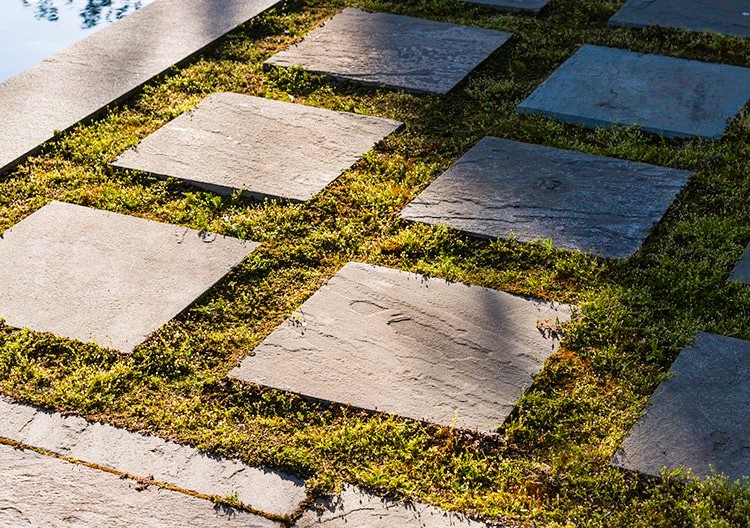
(741, 272)
(601, 87)
(392, 341)
(531, 6)
(399, 52)
(727, 17)
(104, 277)
(266, 148)
(108, 66)
(591, 203)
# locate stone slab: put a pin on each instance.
(727, 17)
(355, 508)
(741, 272)
(395, 51)
(143, 456)
(263, 147)
(698, 418)
(108, 66)
(104, 277)
(531, 6)
(45, 492)
(503, 188)
(391, 341)
(676, 98)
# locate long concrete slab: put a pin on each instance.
(108, 66)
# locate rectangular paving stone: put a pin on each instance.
(391, 341)
(45, 492)
(108, 66)
(727, 17)
(355, 508)
(532, 6)
(266, 148)
(676, 98)
(741, 272)
(503, 188)
(699, 418)
(103, 277)
(143, 456)
(395, 51)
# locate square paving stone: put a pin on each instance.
(396, 51)
(698, 418)
(602, 87)
(741, 272)
(391, 341)
(532, 6)
(728, 17)
(503, 188)
(103, 277)
(265, 148)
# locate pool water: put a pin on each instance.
(32, 30)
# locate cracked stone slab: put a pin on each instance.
(103, 277)
(396, 342)
(47, 492)
(355, 508)
(503, 188)
(741, 272)
(108, 66)
(143, 456)
(265, 148)
(727, 17)
(395, 51)
(699, 417)
(531, 6)
(676, 98)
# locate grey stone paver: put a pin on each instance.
(45, 492)
(728, 17)
(143, 456)
(503, 188)
(672, 97)
(741, 272)
(109, 65)
(532, 6)
(392, 341)
(396, 51)
(267, 148)
(699, 417)
(355, 508)
(104, 277)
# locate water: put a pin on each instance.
(32, 30)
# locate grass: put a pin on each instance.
(549, 466)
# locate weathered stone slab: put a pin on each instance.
(532, 6)
(45, 492)
(104, 277)
(108, 66)
(355, 508)
(728, 17)
(392, 341)
(503, 188)
(602, 87)
(396, 51)
(143, 456)
(266, 148)
(741, 272)
(698, 418)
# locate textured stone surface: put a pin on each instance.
(729, 17)
(673, 97)
(533, 6)
(267, 148)
(400, 52)
(46, 492)
(503, 188)
(355, 508)
(392, 341)
(108, 65)
(741, 272)
(143, 456)
(104, 277)
(700, 416)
